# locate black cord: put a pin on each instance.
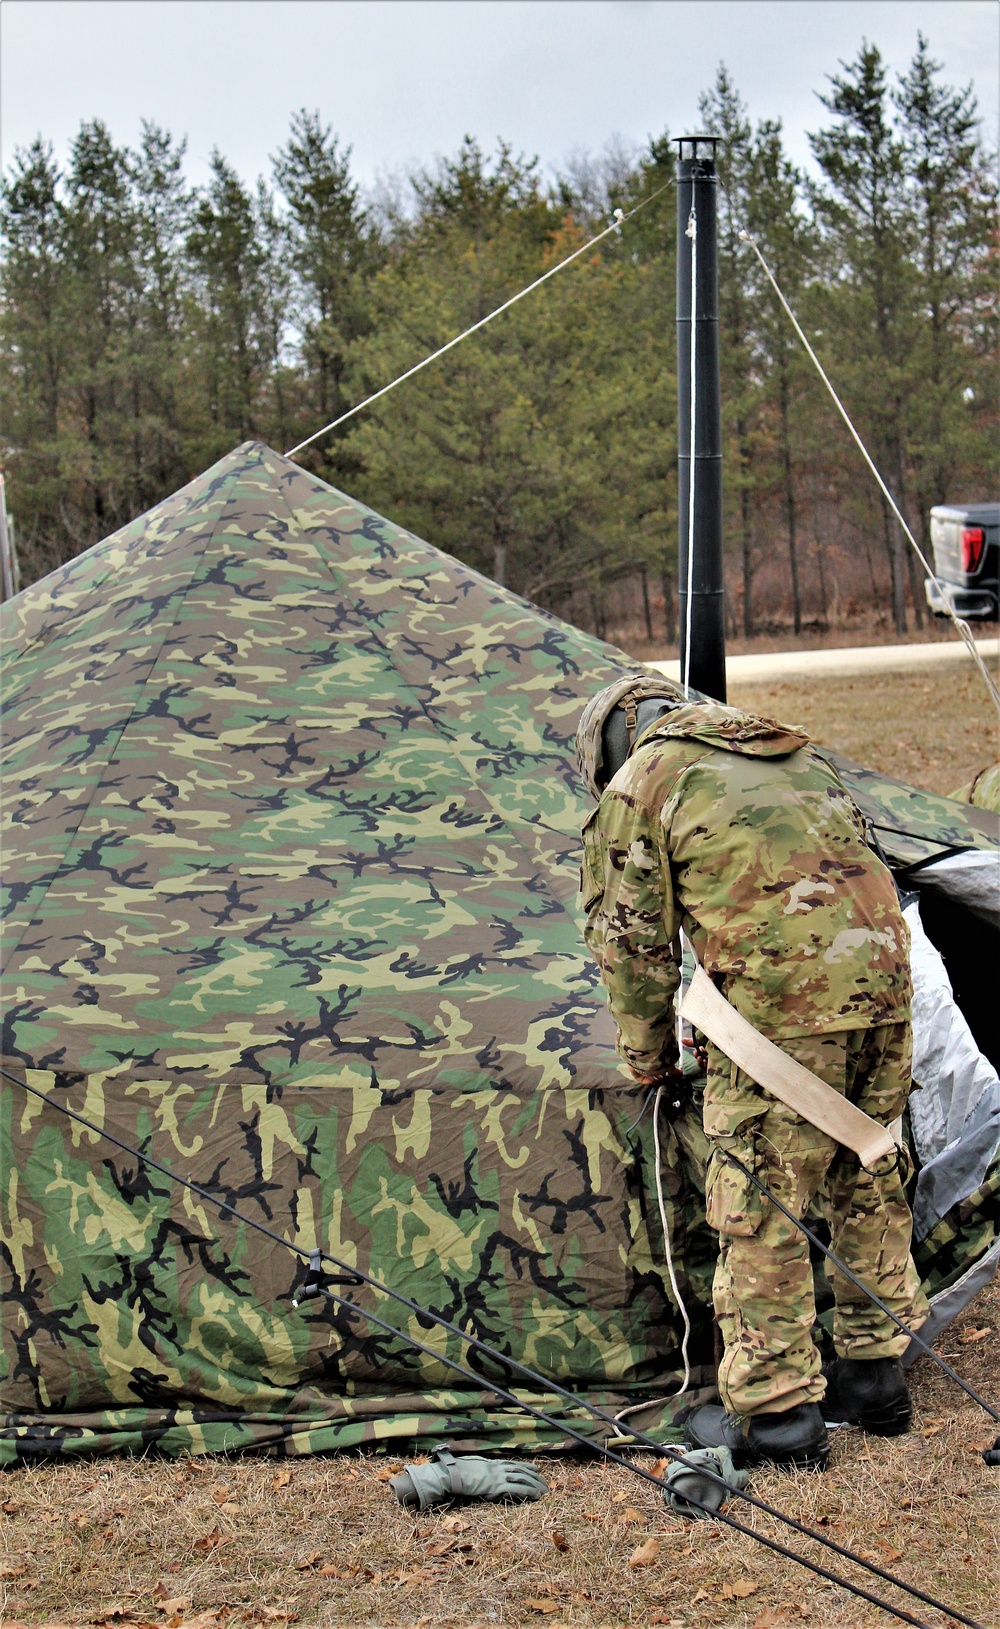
(861, 1285)
(359, 1276)
(659, 1482)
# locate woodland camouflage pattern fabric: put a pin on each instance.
(735, 828)
(291, 850)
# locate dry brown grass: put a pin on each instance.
(933, 728)
(250, 1542)
(245, 1543)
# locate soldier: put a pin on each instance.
(737, 830)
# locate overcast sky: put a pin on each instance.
(404, 80)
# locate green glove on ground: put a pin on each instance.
(686, 1480)
(468, 1477)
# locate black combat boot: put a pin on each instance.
(795, 1438)
(869, 1392)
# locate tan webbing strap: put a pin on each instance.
(791, 1083)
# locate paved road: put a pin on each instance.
(834, 664)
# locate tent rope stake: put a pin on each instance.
(356, 1275)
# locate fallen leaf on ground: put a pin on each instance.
(560, 1541)
(172, 1604)
(889, 1551)
(538, 1605)
(221, 1495)
(419, 1575)
(738, 1591)
(659, 1466)
(645, 1554)
(12, 1572)
(630, 1514)
(702, 1595)
(330, 1571)
(768, 1620)
(281, 1480)
(968, 1337)
(210, 1541)
(387, 1473)
(455, 1524)
(308, 1561)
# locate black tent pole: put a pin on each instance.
(699, 486)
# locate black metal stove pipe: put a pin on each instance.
(702, 622)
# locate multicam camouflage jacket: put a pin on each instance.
(738, 830)
(983, 791)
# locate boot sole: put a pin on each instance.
(808, 1460)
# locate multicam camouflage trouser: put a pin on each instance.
(763, 1282)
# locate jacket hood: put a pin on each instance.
(728, 728)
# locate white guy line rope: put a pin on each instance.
(617, 223)
(959, 622)
(637, 1408)
(691, 231)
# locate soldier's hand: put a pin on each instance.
(657, 1077)
(699, 1054)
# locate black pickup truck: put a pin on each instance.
(966, 543)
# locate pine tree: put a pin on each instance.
(102, 311)
(724, 114)
(162, 203)
(869, 275)
(788, 245)
(226, 257)
(952, 198)
(35, 349)
(334, 253)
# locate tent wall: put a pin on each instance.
(140, 1314)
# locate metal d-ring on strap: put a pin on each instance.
(358, 1276)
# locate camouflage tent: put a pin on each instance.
(291, 834)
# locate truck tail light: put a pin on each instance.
(973, 539)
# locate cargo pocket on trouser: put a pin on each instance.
(733, 1206)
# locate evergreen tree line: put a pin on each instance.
(148, 326)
